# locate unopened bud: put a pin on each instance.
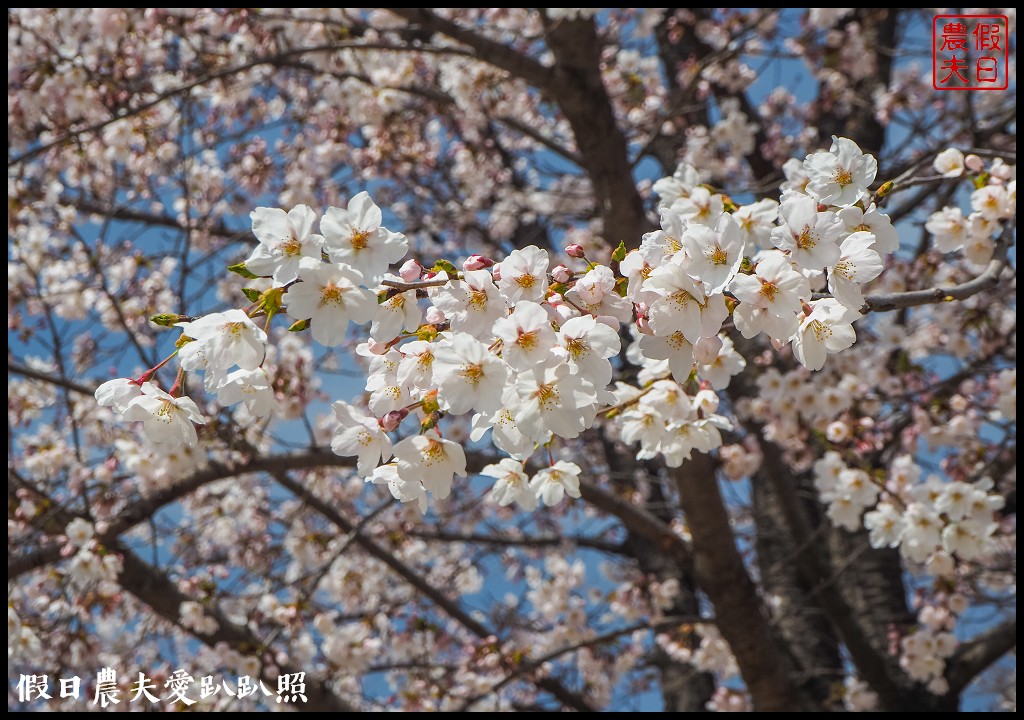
(168, 319)
(434, 316)
(477, 262)
(561, 274)
(706, 350)
(644, 325)
(430, 422)
(575, 250)
(410, 270)
(393, 419)
(496, 272)
(974, 163)
(822, 207)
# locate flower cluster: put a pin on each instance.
(525, 347)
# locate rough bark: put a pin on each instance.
(796, 610)
(764, 660)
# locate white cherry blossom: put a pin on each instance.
(553, 400)
(360, 435)
(431, 460)
(330, 296)
(117, 393)
(595, 293)
(858, 264)
(511, 484)
(165, 419)
(775, 286)
(524, 275)
(251, 387)
(827, 329)
(468, 375)
(285, 238)
(810, 237)
(471, 303)
(355, 236)
(841, 175)
(228, 338)
(553, 483)
(399, 312)
(526, 336)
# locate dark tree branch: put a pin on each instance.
(975, 656)
(988, 280)
(25, 371)
(764, 661)
(151, 586)
(490, 51)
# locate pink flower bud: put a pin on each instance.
(477, 262)
(411, 270)
(641, 309)
(575, 250)
(561, 274)
(643, 325)
(706, 350)
(393, 419)
(974, 163)
(376, 347)
(434, 316)
(496, 272)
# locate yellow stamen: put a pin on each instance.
(769, 290)
(526, 281)
(360, 239)
(806, 241)
(473, 373)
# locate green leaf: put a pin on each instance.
(299, 326)
(447, 267)
(620, 252)
(239, 269)
(252, 293)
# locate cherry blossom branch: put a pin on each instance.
(152, 587)
(593, 544)
(976, 655)
(405, 286)
(141, 510)
(986, 281)
(490, 51)
(532, 665)
(278, 59)
(25, 371)
(547, 142)
(638, 521)
(417, 581)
